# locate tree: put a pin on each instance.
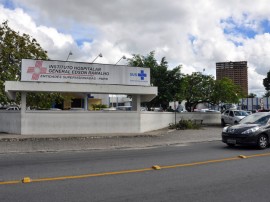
(252, 95)
(198, 88)
(266, 83)
(13, 48)
(225, 91)
(267, 94)
(167, 81)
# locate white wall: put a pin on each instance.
(156, 120)
(79, 122)
(209, 118)
(10, 122)
(94, 122)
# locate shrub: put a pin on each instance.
(185, 124)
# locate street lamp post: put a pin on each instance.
(69, 54)
(174, 113)
(123, 57)
(99, 55)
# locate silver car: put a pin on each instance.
(232, 116)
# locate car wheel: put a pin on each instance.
(236, 122)
(222, 123)
(230, 144)
(262, 141)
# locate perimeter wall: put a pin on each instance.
(94, 122)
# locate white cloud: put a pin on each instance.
(58, 39)
(188, 32)
(255, 82)
(49, 38)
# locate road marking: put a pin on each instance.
(11, 182)
(132, 171)
(258, 155)
(91, 175)
(200, 163)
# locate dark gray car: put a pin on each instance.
(252, 130)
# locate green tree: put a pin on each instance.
(266, 83)
(267, 94)
(13, 48)
(43, 100)
(167, 81)
(198, 88)
(225, 91)
(252, 95)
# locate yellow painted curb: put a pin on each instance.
(26, 180)
(242, 156)
(156, 167)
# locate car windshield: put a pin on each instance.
(240, 113)
(257, 118)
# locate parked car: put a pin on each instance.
(76, 109)
(124, 108)
(109, 109)
(13, 108)
(263, 110)
(144, 109)
(10, 108)
(232, 116)
(157, 109)
(252, 130)
(208, 110)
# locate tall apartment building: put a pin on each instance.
(236, 71)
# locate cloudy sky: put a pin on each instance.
(192, 33)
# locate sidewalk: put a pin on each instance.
(53, 143)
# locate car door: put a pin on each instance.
(267, 126)
(231, 118)
(226, 116)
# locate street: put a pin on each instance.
(194, 172)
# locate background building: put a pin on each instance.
(236, 71)
(253, 104)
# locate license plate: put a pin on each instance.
(231, 141)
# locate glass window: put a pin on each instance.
(257, 118)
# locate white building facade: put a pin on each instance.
(83, 78)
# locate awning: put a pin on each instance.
(147, 93)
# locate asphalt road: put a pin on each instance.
(196, 172)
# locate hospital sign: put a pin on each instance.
(76, 72)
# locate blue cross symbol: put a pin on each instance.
(142, 75)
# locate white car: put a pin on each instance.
(232, 116)
(13, 108)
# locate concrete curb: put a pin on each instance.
(164, 137)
